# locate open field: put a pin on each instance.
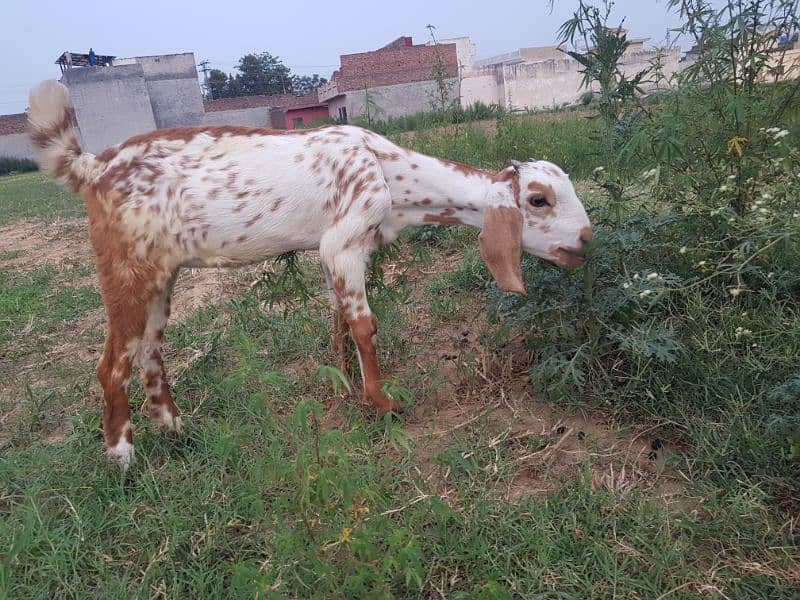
(652, 475)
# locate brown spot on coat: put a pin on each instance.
(253, 220)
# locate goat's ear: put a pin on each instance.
(501, 246)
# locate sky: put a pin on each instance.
(308, 36)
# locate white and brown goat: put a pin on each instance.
(228, 196)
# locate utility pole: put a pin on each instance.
(204, 68)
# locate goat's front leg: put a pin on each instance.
(347, 267)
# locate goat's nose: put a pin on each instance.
(586, 235)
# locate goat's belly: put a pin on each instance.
(235, 245)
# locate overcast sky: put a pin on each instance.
(307, 35)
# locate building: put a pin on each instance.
(14, 141)
(545, 77)
(393, 81)
(298, 116)
(116, 98)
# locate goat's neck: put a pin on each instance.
(430, 191)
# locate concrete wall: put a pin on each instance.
(334, 104)
(174, 90)
(465, 50)
(482, 85)
(247, 117)
(111, 104)
(394, 100)
(16, 145)
(545, 84)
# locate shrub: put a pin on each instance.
(10, 165)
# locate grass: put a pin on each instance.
(34, 196)
(284, 487)
(562, 138)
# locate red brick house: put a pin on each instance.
(394, 80)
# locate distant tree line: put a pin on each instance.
(260, 75)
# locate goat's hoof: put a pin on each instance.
(122, 455)
(388, 406)
(162, 418)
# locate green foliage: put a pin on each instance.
(600, 62)
(261, 74)
(452, 115)
(687, 308)
(441, 100)
(564, 141)
(9, 165)
(733, 111)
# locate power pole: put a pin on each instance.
(204, 68)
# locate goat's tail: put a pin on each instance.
(57, 150)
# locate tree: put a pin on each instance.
(217, 84)
(261, 75)
(305, 84)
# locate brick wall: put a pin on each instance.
(275, 101)
(11, 124)
(392, 65)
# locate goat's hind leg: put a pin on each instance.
(341, 341)
(159, 404)
(126, 309)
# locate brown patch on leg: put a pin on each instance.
(364, 330)
(127, 314)
(160, 406)
(341, 344)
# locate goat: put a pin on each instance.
(229, 195)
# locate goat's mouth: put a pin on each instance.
(568, 258)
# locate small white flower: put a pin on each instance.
(780, 134)
(702, 263)
(736, 291)
(723, 188)
(731, 177)
(683, 250)
(598, 170)
(742, 332)
(796, 215)
(636, 276)
(766, 196)
(626, 285)
(770, 275)
(652, 276)
(763, 211)
(645, 293)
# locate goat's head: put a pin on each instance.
(532, 206)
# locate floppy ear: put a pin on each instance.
(501, 246)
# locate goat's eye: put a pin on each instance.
(537, 201)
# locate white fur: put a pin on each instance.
(123, 454)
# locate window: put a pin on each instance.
(297, 122)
